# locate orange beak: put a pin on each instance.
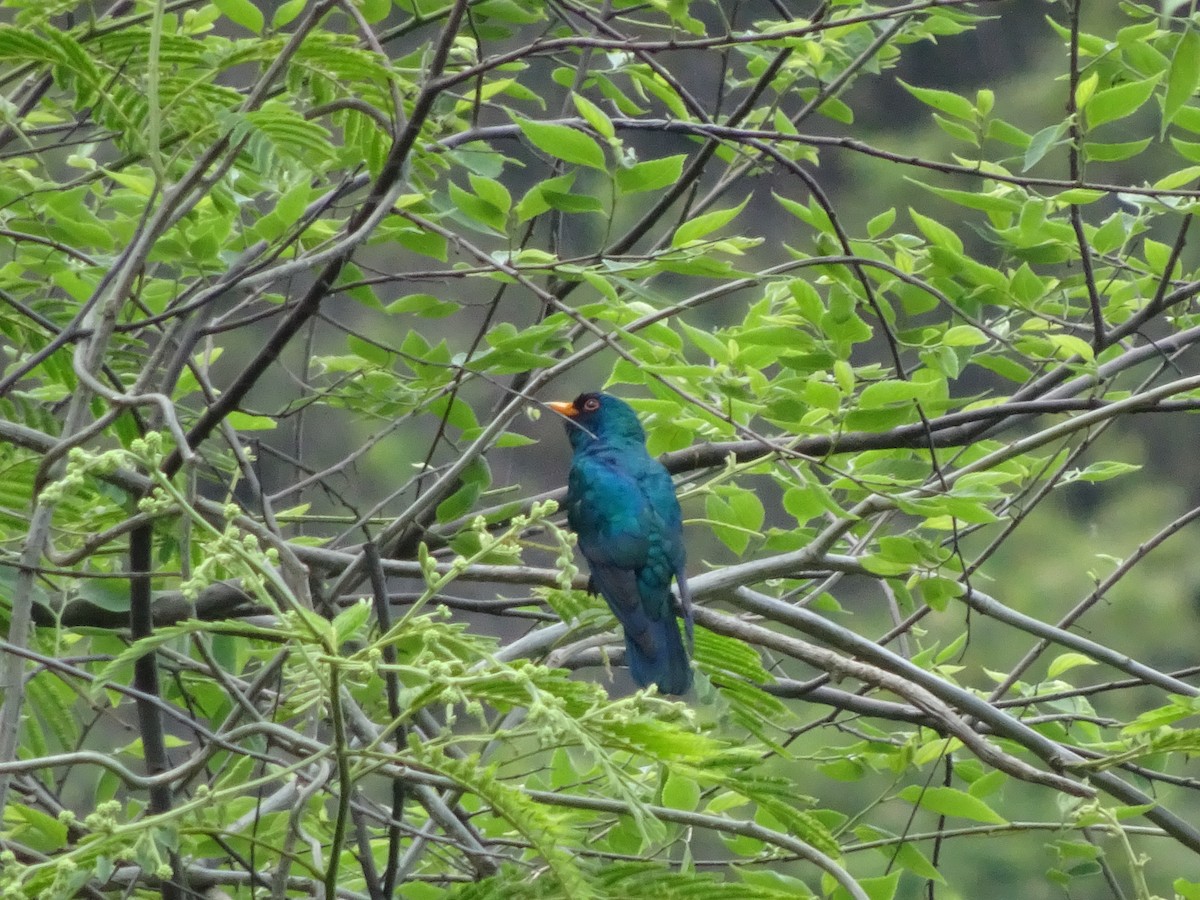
(564, 408)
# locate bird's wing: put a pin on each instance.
(609, 512)
(630, 537)
(656, 486)
(659, 490)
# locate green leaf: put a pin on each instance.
(989, 783)
(843, 769)
(508, 439)
(822, 394)
(712, 345)
(1118, 102)
(369, 351)
(812, 214)
(680, 793)
(1107, 238)
(884, 567)
(535, 202)
(947, 801)
(882, 887)
(956, 130)
(937, 233)
(246, 422)
(885, 393)
(837, 110)
(804, 504)
(1102, 471)
(418, 240)
(964, 336)
(1069, 345)
(349, 282)
(1177, 179)
(1114, 152)
(985, 101)
(1040, 144)
(572, 203)
(747, 508)
(1188, 118)
(1183, 76)
(697, 228)
(881, 223)
(243, 12)
(287, 12)
(1078, 196)
(650, 81)
(1000, 130)
(945, 101)
(510, 11)
(375, 10)
(1085, 89)
(904, 854)
(347, 623)
(478, 208)
(938, 591)
(736, 515)
(475, 479)
(722, 654)
(40, 831)
(1155, 719)
(562, 142)
(425, 305)
(491, 191)
(651, 175)
(1189, 150)
(1066, 661)
(596, 117)
(763, 883)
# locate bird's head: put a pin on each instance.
(600, 417)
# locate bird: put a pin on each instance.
(621, 504)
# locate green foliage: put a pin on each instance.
(273, 286)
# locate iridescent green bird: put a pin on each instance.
(621, 503)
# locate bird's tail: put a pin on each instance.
(661, 659)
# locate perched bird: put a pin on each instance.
(621, 503)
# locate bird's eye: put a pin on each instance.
(591, 404)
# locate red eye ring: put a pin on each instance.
(591, 405)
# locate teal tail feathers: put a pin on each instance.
(660, 660)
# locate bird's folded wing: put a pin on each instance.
(610, 514)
